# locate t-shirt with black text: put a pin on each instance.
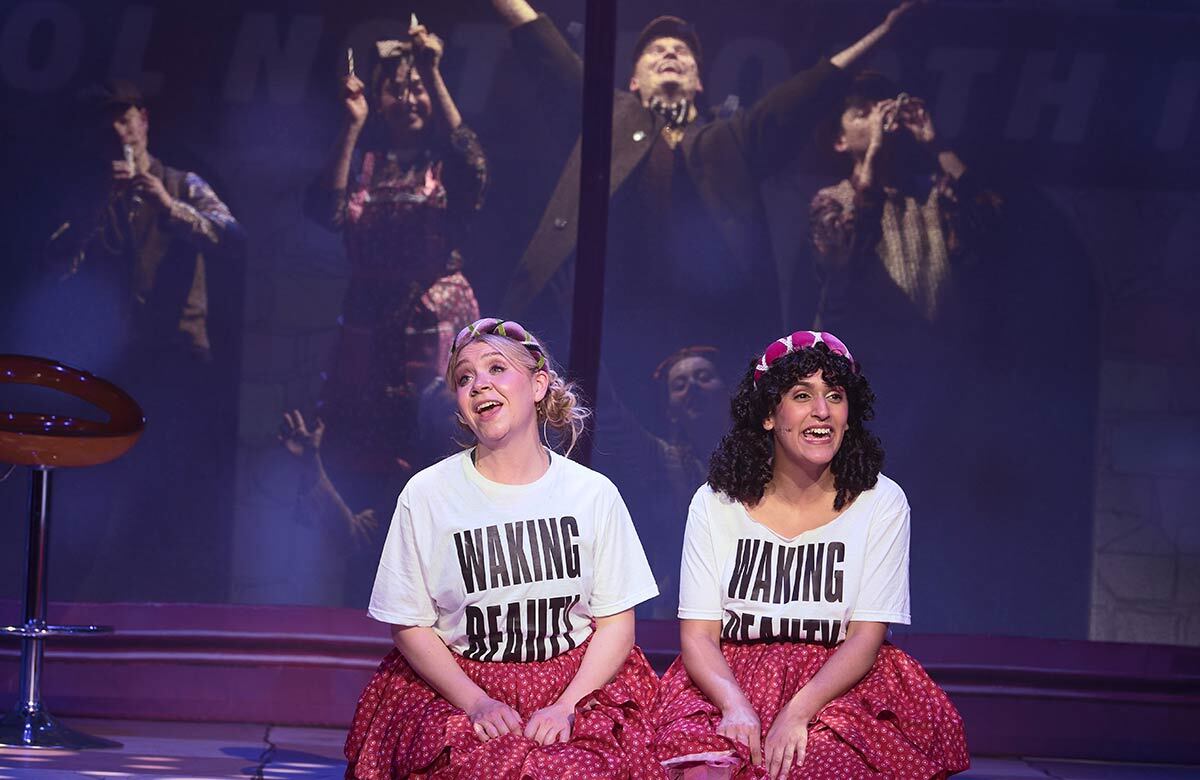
(764, 587)
(509, 572)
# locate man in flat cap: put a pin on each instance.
(689, 256)
(153, 227)
(689, 248)
(138, 248)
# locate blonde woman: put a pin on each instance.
(509, 578)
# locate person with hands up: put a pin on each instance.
(689, 229)
(915, 246)
(419, 175)
(906, 223)
(405, 178)
(419, 178)
(303, 440)
(795, 561)
(146, 263)
(509, 578)
(155, 226)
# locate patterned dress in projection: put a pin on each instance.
(403, 221)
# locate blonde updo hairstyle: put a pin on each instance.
(561, 408)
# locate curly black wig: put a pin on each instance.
(741, 466)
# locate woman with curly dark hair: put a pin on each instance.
(795, 560)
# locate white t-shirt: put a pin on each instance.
(509, 572)
(765, 587)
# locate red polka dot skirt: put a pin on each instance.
(895, 723)
(403, 728)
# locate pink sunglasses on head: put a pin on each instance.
(801, 339)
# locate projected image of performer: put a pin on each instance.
(795, 561)
(895, 236)
(509, 578)
(404, 181)
(697, 401)
(145, 255)
(689, 232)
(932, 274)
(658, 471)
(151, 229)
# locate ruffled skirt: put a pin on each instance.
(895, 723)
(403, 728)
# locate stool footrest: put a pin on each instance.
(44, 632)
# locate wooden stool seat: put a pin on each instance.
(45, 442)
(57, 441)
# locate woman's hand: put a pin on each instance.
(491, 719)
(877, 119)
(551, 724)
(296, 437)
(427, 48)
(916, 119)
(882, 114)
(354, 99)
(740, 724)
(786, 741)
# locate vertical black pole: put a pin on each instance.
(33, 613)
(600, 34)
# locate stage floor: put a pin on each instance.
(208, 751)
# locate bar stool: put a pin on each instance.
(44, 442)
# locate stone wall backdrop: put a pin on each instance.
(1146, 575)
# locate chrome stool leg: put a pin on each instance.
(29, 724)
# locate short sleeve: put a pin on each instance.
(401, 595)
(622, 577)
(883, 597)
(699, 575)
